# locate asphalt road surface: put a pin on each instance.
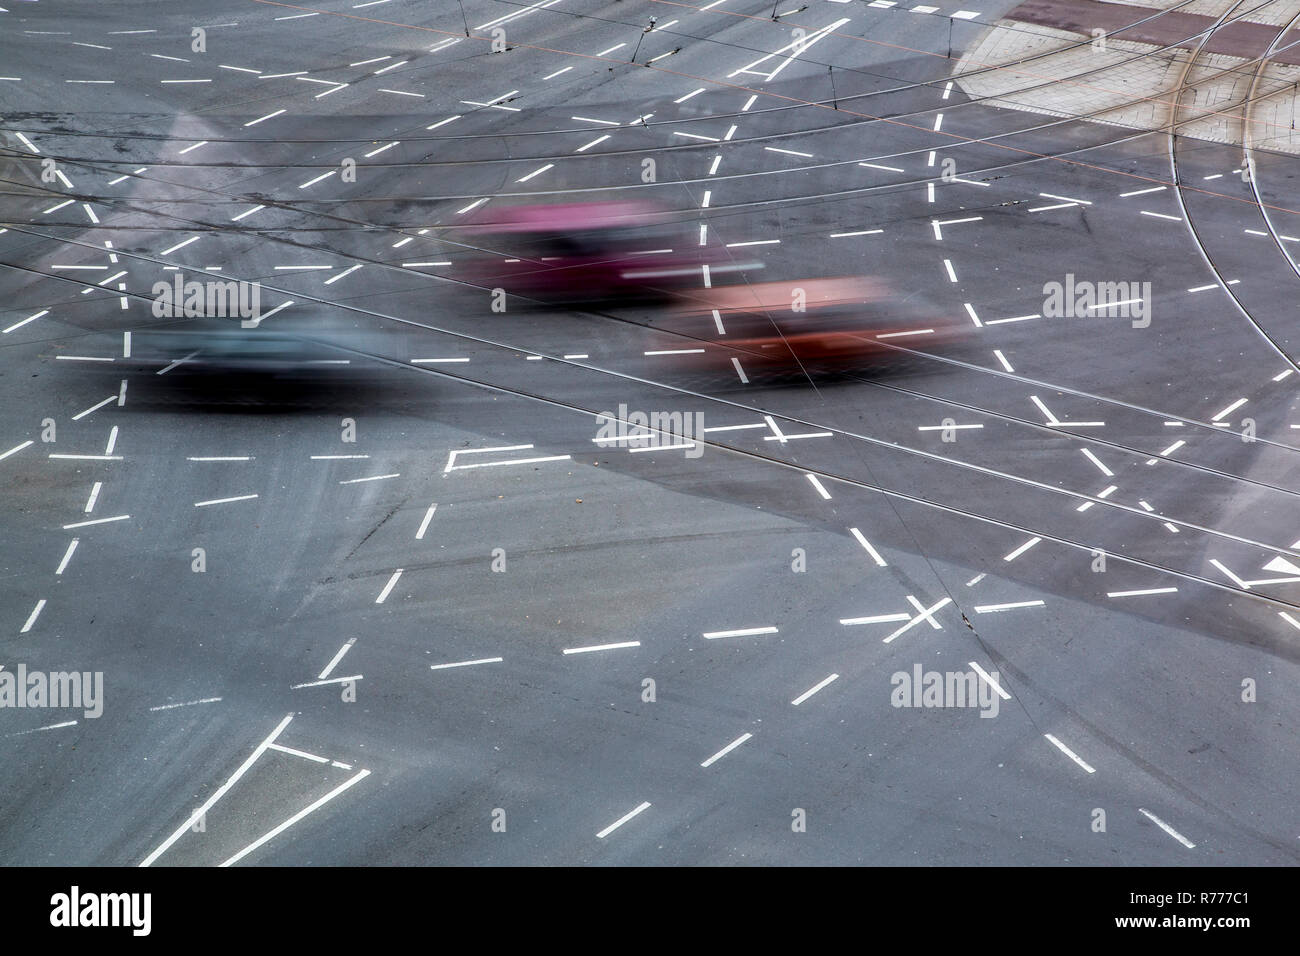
(406, 609)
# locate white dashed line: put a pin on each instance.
(481, 660)
(988, 679)
(222, 501)
(821, 490)
(875, 555)
(627, 816)
(994, 608)
(1022, 549)
(389, 586)
(1167, 828)
(726, 750)
(745, 632)
(1070, 753)
(814, 689)
(31, 618)
(601, 647)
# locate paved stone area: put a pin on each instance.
(1130, 80)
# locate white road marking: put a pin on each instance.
(94, 496)
(1014, 318)
(329, 668)
(1167, 828)
(1116, 594)
(313, 182)
(926, 614)
(179, 245)
(424, 525)
(994, 608)
(94, 408)
(988, 679)
(83, 524)
(744, 632)
(798, 47)
(262, 119)
(512, 461)
(1070, 753)
(66, 723)
(938, 224)
(1097, 461)
(354, 481)
(67, 555)
(875, 619)
(361, 775)
(531, 8)
(1103, 494)
(600, 647)
(220, 792)
(1236, 580)
(188, 703)
(821, 490)
(298, 753)
(482, 660)
(389, 586)
(222, 501)
(1022, 549)
(535, 172)
(1229, 410)
(875, 555)
(726, 750)
(30, 318)
(627, 816)
(331, 680)
(31, 618)
(812, 690)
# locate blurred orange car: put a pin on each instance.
(831, 323)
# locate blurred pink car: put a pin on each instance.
(583, 252)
